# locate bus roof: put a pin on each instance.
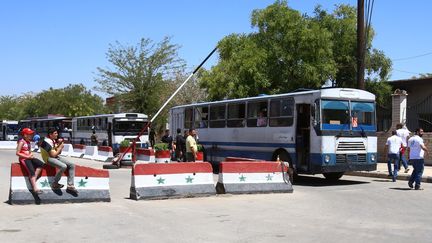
(340, 93)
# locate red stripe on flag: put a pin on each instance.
(78, 146)
(250, 167)
(80, 171)
(172, 168)
(105, 148)
(148, 152)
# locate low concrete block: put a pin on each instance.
(171, 180)
(92, 185)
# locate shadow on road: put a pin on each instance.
(383, 180)
(401, 188)
(317, 181)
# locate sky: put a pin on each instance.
(51, 43)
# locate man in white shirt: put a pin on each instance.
(417, 151)
(392, 148)
(403, 133)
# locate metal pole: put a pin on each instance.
(360, 45)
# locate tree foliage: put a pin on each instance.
(73, 100)
(141, 74)
(289, 50)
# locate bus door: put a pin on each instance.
(303, 137)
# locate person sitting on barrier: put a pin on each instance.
(50, 150)
(191, 146)
(27, 159)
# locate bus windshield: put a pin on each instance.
(128, 127)
(335, 115)
(344, 115)
(363, 116)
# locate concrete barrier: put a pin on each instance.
(8, 144)
(78, 150)
(91, 152)
(171, 180)
(145, 155)
(105, 154)
(67, 149)
(163, 156)
(240, 177)
(92, 185)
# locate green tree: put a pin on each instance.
(73, 100)
(141, 74)
(290, 50)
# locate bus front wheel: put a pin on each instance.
(333, 176)
(284, 156)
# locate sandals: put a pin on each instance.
(56, 186)
(71, 189)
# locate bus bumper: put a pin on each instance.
(343, 168)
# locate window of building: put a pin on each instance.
(217, 116)
(236, 115)
(281, 112)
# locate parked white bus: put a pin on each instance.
(110, 129)
(42, 124)
(327, 131)
(9, 130)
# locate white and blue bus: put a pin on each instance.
(9, 130)
(328, 131)
(110, 129)
(42, 124)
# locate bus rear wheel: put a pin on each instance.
(333, 176)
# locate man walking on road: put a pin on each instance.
(392, 148)
(403, 133)
(416, 152)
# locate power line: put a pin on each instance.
(403, 71)
(412, 57)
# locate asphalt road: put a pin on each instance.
(355, 209)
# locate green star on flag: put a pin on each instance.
(82, 183)
(44, 183)
(269, 177)
(242, 178)
(189, 179)
(161, 181)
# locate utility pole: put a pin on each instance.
(360, 44)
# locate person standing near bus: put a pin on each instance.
(191, 146)
(403, 133)
(417, 151)
(27, 159)
(180, 142)
(392, 148)
(50, 151)
(94, 139)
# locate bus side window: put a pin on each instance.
(257, 114)
(188, 116)
(281, 112)
(236, 115)
(201, 117)
(217, 116)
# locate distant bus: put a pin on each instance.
(111, 129)
(328, 131)
(42, 124)
(9, 130)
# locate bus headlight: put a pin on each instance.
(327, 158)
(372, 157)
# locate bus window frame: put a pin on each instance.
(238, 121)
(280, 117)
(217, 123)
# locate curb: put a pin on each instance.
(404, 177)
